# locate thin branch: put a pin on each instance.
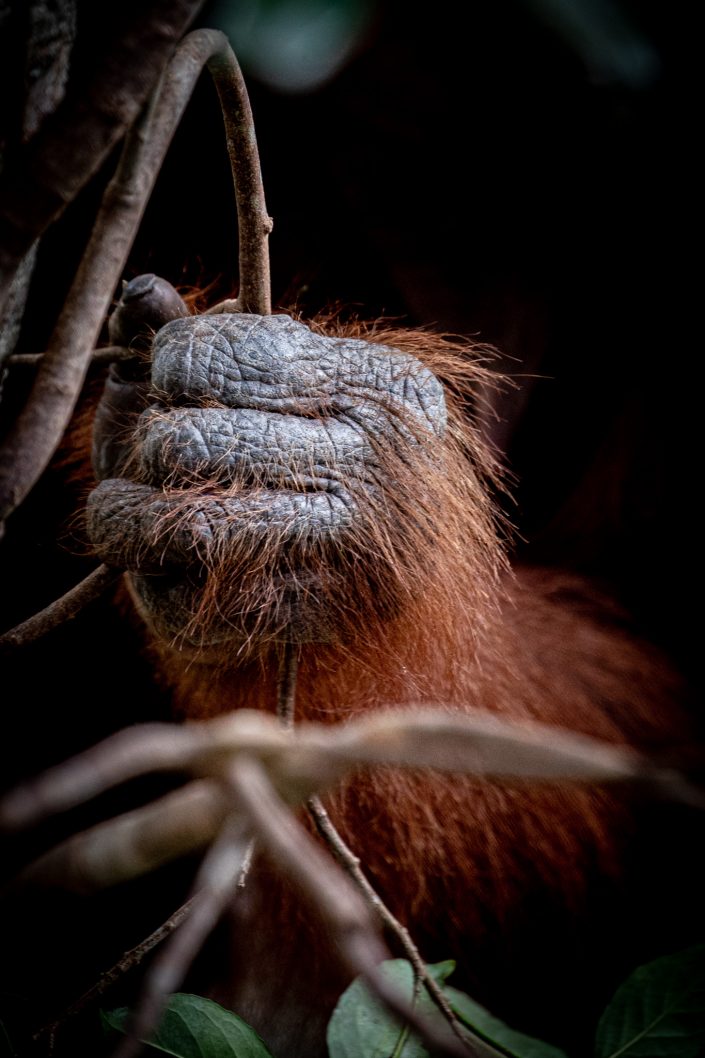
(254, 223)
(286, 690)
(75, 141)
(228, 305)
(107, 354)
(217, 880)
(61, 610)
(347, 858)
(129, 961)
(26, 451)
(330, 893)
(479, 742)
(286, 709)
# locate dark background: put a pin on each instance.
(524, 176)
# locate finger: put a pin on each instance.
(229, 444)
(146, 304)
(275, 363)
(140, 528)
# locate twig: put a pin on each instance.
(347, 858)
(286, 707)
(286, 690)
(129, 961)
(254, 223)
(228, 305)
(286, 704)
(26, 451)
(330, 893)
(61, 610)
(217, 880)
(107, 354)
(75, 141)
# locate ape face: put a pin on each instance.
(273, 480)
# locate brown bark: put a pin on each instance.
(30, 444)
(75, 140)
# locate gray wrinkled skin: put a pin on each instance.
(276, 364)
(137, 508)
(255, 426)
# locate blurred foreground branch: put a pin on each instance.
(244, 770)
(309, 759)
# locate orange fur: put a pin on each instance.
(501, 877)
(465, 864)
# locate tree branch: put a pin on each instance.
(350, 862)
(107, 354)
(61, 610)
(73, 142)
(330, 893)
(30, 444)
(254, 223)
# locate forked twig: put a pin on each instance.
(300, 763)
(351, 863)
(61, 610)
(286, 707)
(26, 451)
(331, 894)
(198, 749)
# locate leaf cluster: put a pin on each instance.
(658, 1012)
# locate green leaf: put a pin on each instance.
(361, 1027)
(193, 1027)
(440, 971)
(659, 1012)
